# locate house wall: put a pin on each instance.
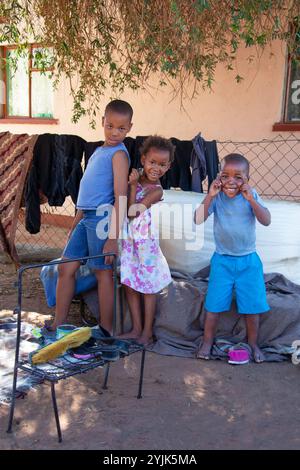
(242, 111)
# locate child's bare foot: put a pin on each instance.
(258, 355)
(145, 340)
(133, 334)
(204, 351)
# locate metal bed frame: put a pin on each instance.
(54, 371)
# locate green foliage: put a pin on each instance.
(121, 44)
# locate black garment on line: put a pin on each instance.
(198, 164)
(204, 162)
(212, 160)
(56, 172)
(133, 146)
(180, 174)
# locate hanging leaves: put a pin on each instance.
(119, 44)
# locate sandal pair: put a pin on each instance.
(106, 352)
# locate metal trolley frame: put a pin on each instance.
(56, 372)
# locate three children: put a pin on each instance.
(144, 270)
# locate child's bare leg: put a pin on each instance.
(210, 327)
(64, 292)
(252, 327)
(134, 302)
(147, 333)
(106, 297)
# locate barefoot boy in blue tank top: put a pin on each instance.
(235, 264)
(103, 184)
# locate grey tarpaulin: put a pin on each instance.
(180, 318)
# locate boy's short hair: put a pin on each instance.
(236, 158)
(158, 142)
(119, 106)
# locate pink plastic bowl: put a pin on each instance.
(238, 356)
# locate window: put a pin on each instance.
(290, 120)
(292, 93)
(27, 81)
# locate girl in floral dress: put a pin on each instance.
(144, 269)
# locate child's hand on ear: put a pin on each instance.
(134, 177)
(215, 187)
(246, 191)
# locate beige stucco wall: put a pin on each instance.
(243, 111)
(235, 111)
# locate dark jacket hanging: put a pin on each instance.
(198, 163)
(194, 160)
(212, 160)
(56, 172)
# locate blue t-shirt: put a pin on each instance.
(234, 224)
(97, 184)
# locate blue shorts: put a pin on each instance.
(88, 239)
(242, 273)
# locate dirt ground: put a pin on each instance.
(187, 404)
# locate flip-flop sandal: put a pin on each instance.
(109, 352)
(114, 341)
(125, 344)
(98, 332)
(122, 345)
(83, 353)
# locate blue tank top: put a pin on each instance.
(97, 184)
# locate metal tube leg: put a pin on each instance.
(106, 376)
(13, 401)
(17, 311)
(121, 308)
(55, 411)
(115, 296)
(141, 374)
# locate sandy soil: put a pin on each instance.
(186, 404)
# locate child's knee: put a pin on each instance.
(67, 270)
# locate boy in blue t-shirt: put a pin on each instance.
(102, 186)
(235, 263)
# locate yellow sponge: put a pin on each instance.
(53, 350)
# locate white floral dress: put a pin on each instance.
(143, 265)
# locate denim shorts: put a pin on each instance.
(88, 239)
(244, 274)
